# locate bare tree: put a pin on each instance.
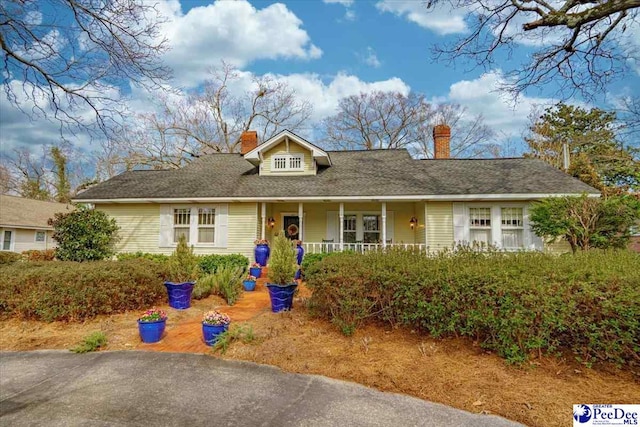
(580, 44)
(387, 120)
(209, 121)
(33, 177)
(377, 120)
(64, 57)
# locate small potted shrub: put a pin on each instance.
(261, 252)
(249, 283)
(282, 268)
(151, 325)
(255, 270)
(183, 269)
(214, 323)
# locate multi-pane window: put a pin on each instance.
(40, 236)
(6, 240)
(181, 224)
(350, 228)
(206, 225)
(512, 227)
(288, 162)
(371, 228)
(480, 225)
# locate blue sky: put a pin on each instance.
(326, 50)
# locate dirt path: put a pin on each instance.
(454, 372)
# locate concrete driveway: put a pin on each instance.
(176, 389)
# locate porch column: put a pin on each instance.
(264, 221)
(341, 219)
(426, 233)
(384, 224)
(300, 215)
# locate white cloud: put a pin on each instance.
(345, 3)
(234, 31)
(481, 96)
(441, 19)
(370, 58)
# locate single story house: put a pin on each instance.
(23, 223)
(331, 200)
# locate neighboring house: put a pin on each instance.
(23, 223)
(331, 200)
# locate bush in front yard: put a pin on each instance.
(209, 264)
(7, 257)
(514, 304)
(39, 255)
(124, 256)
(72, 291)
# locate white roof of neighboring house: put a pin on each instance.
(18, 212)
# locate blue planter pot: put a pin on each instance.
(255, 272)
(281, 296)
(249, 285)
(151, 332)
(261, 254)
(299, 254)
(210, 333)
(179, 294)
(298, 274)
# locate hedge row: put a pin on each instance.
(514, 304)
(72, 291)
(209, 264)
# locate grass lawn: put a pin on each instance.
(454, 372)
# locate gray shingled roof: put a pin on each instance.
(354, 173)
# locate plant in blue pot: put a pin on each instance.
(249, 283)
(261, 252)
(255, 270)
(151, 325)
(282, 268)
(214, 323)
(183, 269)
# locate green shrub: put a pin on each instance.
(226, 282)
(183, 264)
(209, 264)
(203, 287)
(243, 333)
(282, 261)
(7, 257)
(84, 235)
(72, 291)
(514, 304)
(91, 343)
(36, 255)
(124, 256)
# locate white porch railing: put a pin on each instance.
(321, 247)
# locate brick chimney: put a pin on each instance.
(248, 141)
(441, 142)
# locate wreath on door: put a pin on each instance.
(292, 230)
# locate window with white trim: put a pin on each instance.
(350, 228)
(371, 228)
(7, 240)
(40, 236)
(288, 162)
(512, 227)
(181, 224)
(206, 225)
(480, 225)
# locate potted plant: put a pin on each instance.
(282, 269)
(249, 283)
(255, 270)
(151, 325)
(261, 252)
(214, 323)
(183, 269)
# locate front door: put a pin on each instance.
(291, 226)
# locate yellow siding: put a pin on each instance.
(309, 169)
(140, 228)
(439, 225)
(418, 208)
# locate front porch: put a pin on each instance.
(359, 226)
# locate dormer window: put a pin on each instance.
(288, 162)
